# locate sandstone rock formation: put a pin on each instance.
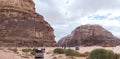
(89, 35)
(20, 25)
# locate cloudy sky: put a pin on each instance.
(65, 15)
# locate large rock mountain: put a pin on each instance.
(89, 35)
(20, 25)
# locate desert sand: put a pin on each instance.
(4, 54)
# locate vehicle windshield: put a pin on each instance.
(38, 51)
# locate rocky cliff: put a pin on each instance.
(89, 35)
(20, 25)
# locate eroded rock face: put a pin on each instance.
(89, 35)
(21, 26)
(21, 5)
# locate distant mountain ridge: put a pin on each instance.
(89, 35)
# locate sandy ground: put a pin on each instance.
(50, 55)
(8, 55)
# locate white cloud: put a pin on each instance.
(65, 15)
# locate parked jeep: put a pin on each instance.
(39, 54)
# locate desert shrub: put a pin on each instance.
(84, 54)
(117, 56)
(32, 52)
(87, 53)
(101, 54)
(59, 50)
(26, 50)
(70, 52)
(13, 49)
